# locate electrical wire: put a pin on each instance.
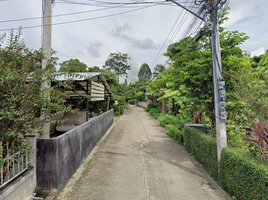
(192, 27)
(81, 20)
(169, 39)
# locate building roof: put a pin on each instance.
(81, 80)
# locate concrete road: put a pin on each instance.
(139, 161)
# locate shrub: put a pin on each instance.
(139, 96)
(166, 119)
(122, 110)
(242, 176)
(204, 148)
(174, 133)
(154, 112)
(131, 102)
(116, 113)
(116, 109)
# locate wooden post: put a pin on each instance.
(108, 103)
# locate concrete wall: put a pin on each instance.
(143, 103)
(20, 190)
(59, 158)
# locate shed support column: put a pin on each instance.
(87, 103)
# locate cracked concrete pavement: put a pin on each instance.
(139, 161)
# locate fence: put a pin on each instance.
(59, 158)
(14, 163)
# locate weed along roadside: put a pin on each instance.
(241, 175)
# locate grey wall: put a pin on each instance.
(59, 158)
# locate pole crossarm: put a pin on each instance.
(188, 10)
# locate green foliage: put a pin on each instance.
(139, 96)
(168, 120)
(242, 176)
(203, 148)
(174, 133)
(22, 99)
(115, 107)
(73, 65)
(158, 69)
(116, 113)
(155, 112)
(122, 110)
(145, 72)
(131, 102)
(118, 64)
(251, 89)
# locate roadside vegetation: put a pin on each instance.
(183, 93)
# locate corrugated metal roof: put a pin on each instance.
(78, 76)
(81, 77)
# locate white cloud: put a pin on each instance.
(140, 33)
(258, 52)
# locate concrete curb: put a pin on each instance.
(75, 178)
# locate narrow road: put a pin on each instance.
(139, 161)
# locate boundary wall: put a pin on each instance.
(59, 158)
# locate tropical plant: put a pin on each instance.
(261, 139)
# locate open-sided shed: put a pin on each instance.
(88, 83)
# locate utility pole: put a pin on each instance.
(46, 50)
(218, 82)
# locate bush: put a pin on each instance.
(131, 102)
(139, 96)
(155, 112)
(116, 109)
(166, 119)
(242, 176)
(204, 148)
(116, 113)
(174, 133)
(122, 110)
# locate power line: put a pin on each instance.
(193, 26)
(75, 13)
(81, 20)
(159, 58)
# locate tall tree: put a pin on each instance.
(118, 64)
(125, 83)
(158, 69)
(145, 72)
(73, 65)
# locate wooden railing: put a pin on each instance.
(14, 164)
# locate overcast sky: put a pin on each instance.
(141, 32)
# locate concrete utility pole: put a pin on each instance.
(219, 84)
(218, 81)
(46, 48)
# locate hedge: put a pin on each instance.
(243, 176)
(203, 148)
(239, 174)
(131, 102)
(174, 133)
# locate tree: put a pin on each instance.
(72, 65)
(158, 69)
(21, 97)
(53, 61)
(190, 79)
(118, 64)
(145, 72)
(94, 69)
(125, 83)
